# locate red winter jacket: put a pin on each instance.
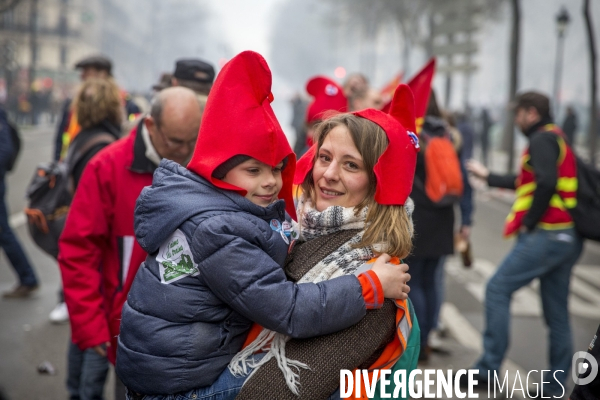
(98, 253)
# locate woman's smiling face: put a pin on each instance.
(339, 172)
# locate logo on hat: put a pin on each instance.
(414, 138)
(331, 90)
(202, 76)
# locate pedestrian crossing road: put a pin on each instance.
(584, 302)
(584, 299)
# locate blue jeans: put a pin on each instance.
(226, 387)
(87, 374)
(424, 292)
(10, 244)
(549, 256)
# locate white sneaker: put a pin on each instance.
(60, 314)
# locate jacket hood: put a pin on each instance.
(399, 158)
(238, 119)
(177, 195)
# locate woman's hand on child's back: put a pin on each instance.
(393, 278)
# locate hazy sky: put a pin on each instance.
(246, 23)
(247, 26)
(538, 52)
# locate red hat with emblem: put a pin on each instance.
(328, 96)
(238, 120)
(395, 169)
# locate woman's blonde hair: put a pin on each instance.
(389, 229)
(98, 99)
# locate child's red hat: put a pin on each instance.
(238, 119)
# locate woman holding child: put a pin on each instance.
(189, 313)
(354, 205)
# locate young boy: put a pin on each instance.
(216, 238)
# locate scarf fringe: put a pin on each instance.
(242, 361)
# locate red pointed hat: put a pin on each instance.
(238, 119)
(395, 169)
(328, 96)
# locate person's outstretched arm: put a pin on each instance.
(508, 181)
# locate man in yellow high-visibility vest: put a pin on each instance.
(547, 244)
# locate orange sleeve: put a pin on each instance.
(372, 290)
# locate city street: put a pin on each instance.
(27, 338)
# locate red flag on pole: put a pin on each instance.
(420, 85)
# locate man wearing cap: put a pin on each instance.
(194, 74)
(164, 82)
(98, 253)
(547, 245)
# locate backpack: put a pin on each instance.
(16, 140)
(443, 178)
(50, 193)
(586, 213)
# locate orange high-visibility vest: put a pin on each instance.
(557, 215)
(72, 129)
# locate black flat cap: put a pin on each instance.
(194, 70)
(98, 62)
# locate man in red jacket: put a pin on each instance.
(98, 253)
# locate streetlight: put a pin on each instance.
(562, 21)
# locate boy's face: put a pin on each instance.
(261, 181)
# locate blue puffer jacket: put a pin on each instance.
(181, 335)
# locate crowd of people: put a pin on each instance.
(203, 257)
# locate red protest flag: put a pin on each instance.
(420, 85)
